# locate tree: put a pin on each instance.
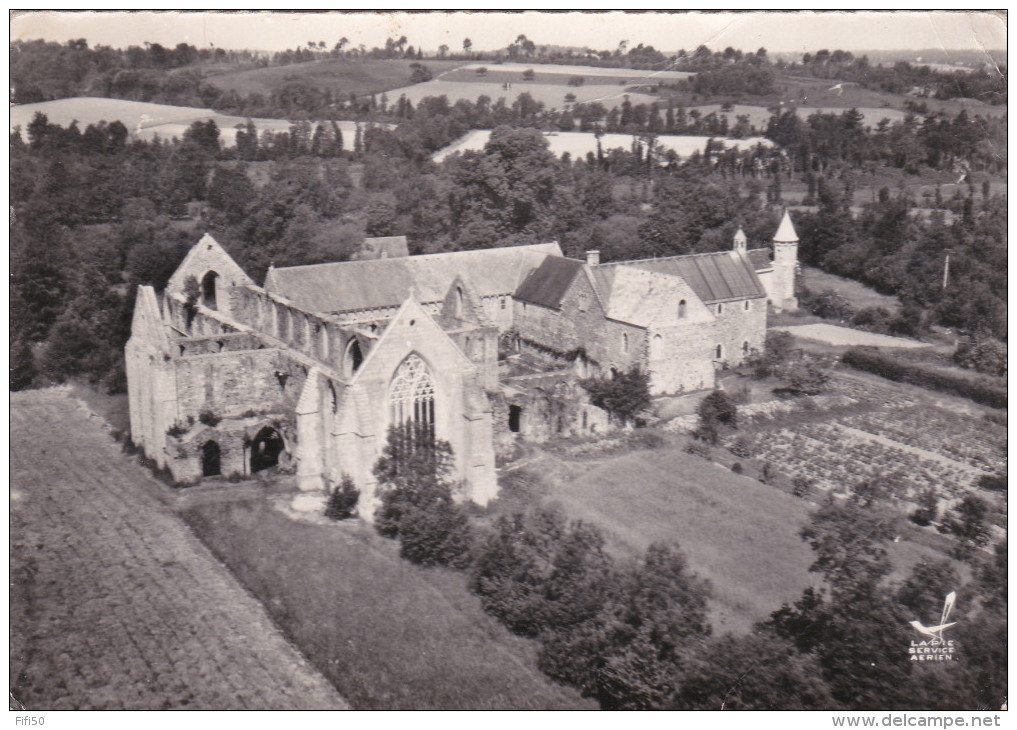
(777, 350)
(538, 573)
(715, 410)
(630, 655)
(968, 521)
(759, 671)
(342, 499)
(624, 396)
(848, 540)
(467, 46)
(415, 483)
(509, 187)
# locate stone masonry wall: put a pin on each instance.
(580, 324)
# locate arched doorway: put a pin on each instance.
(211, 462)
(265, 449)
(208, 289)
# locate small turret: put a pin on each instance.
(741, 242)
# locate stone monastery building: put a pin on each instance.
(306, 373)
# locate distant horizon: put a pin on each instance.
(810, 31)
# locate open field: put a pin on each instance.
(858, 295)
(738, 533)
(390, 635)
(552, 96)
(114, 604)
(831, 334)
(578, 144)
(367, 76)
(143, 120)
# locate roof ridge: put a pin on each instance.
(418, 256)
(669, 258)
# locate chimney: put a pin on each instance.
(593, 258)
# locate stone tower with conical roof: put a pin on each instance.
(785, 265)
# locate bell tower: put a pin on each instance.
(741, 242)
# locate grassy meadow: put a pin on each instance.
(389, 635)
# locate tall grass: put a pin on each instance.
(387, 634)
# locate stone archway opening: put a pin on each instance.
(211, 459)
(265, 449)
(515, 418)
(208, 289)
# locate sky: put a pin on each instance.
(790, 31)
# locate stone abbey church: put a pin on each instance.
(306, 373)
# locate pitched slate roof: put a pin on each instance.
(546, 285)
(714, 277)
(382, 283)
(760, 258)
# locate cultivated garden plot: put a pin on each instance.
(911, 449)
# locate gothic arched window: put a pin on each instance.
(411, 396)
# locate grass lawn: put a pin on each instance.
(738, 533)
(387, 634)
(113, 408)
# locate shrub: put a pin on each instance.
(984, 355)
(736, 467)
(805, 378)
(993, 482)
(482, 71)
(176, 430)
(698, 448)
(643, 438)
(928, 508)
(801, 487)
(209, 419)
(342, 500)
(576, 81)
(528, 74)
(420, 73)
(767, 473)
(742, 448)
(979, 390)
(827, 304)
(623, 396)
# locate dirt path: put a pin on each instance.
(114, 603)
